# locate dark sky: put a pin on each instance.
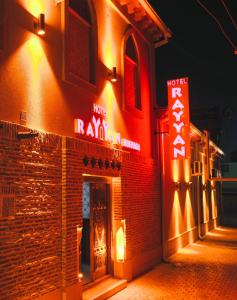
(200, 51)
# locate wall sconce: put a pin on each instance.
(188, 185)
(39, 26)
(177, 185)
(113, 75)
(120, 241)
(204, 186)
(213, 188)
(79, 236)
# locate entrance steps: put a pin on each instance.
(104, 289)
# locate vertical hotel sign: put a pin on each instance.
(179, 123)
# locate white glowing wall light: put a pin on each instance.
(121, 241)
(79, 236)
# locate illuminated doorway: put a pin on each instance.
(95, 244)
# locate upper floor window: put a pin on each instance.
(131, 75)
(80, 42)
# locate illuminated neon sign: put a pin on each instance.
(98, 128)
(179, 123)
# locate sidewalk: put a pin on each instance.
(204, 270)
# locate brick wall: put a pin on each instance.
(141, 201)
(39, 251)
(30, 241)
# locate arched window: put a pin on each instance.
(131, 75)
(80, 42)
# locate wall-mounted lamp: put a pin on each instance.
(213, 188)
(204, 186)
(121, 241)
(113, 75)
(177, 185)
(39, 26)
(188, 185)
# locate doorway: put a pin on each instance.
(95, 244)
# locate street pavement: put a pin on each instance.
(203, 270)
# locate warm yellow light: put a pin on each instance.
(175, 170)
(40, 25)
(189, 211)
(176, 215)
(109, 42)
(113, 75)
(41, 32)
(35, 7)
(187, 170)
(120, 245)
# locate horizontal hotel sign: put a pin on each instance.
(99, 129)
(179, 122)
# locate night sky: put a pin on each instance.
(200, 51)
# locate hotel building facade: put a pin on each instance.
(86, 185)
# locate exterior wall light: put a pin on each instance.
(113, 75)
(79, 236)
(120, 241)
(188, 185)
(39, 26)
(177, 185)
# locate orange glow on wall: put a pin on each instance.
(179, 123)
(120, 242)
(109, 46)
(175, 170)
(205, 207)
(35, 65)
(176, 214)
(187, 170)
(109, 100)
(34, 7)
(189, 211)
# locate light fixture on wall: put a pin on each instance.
(120, 241)
(39, 26)
(188, 185)
(177, 185)
(113, 75)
